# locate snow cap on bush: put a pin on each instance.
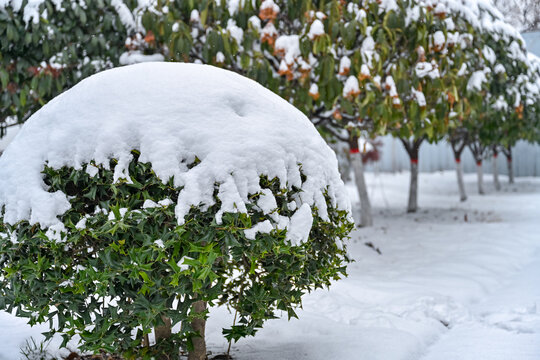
(173, 114)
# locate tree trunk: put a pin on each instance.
(510, 171)
(366, 218)
(457, 147)
(495, 172)
(480, 175)
(461, 185)
(413, 188)
(477, 150)
(412, 148)
(510, 165)
(198, 325)
(163, 331)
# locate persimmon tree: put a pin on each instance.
(421, 82)
(507, 95)
(494, 101)
(48, 46)
(531, 131)
(526, 118)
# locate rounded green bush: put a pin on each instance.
(121, 263)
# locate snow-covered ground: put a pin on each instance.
(453, 281)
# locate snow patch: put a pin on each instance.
(136, 57)
(316, 29)
(263, 227)
(300, 225)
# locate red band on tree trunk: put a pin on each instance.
(354, 151)
(458, 161)
(495, 156)
(509, 159)
(479, 163)
(414, 161)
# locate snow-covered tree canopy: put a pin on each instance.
(498, 90)
(349, 66)
(532, 115)
(317, 55)
(524, 15)
(331, 60)
(166, 187)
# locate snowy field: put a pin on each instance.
(454, 281)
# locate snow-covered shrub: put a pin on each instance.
(153, 192)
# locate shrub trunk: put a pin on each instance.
(163, 331)
(198, 325)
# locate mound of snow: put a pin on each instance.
(172, 113)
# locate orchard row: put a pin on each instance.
(431, 70)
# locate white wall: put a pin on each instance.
(437, 157)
